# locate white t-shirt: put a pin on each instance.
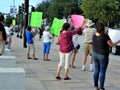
(75, 40)
(46, 36)
(7, 30)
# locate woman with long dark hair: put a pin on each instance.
(100, 54)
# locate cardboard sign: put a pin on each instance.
(56, 27)
(114, 35)
(13, 22)
(36, 19)
(77, 20)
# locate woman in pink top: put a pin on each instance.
(65, 50)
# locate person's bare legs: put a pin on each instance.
(9, 43)
(91, 63)
(66, 73)
(73, 59)
(43, 56)
(46, 56)
(28, 52)
(58, 71)
(84, 63)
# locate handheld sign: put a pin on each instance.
(13, 22)
(56, 26)
(36, 19)
(77, 20)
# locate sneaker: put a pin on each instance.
(96, 88)
(91, 70)
(83, 69)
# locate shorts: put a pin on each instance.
(75, 50)
(46, 47)
(88, 49)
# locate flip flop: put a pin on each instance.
(35, 58)
(67, 78)
(29, 58)
(58, 77)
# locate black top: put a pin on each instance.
(2, 29)
(100, 44)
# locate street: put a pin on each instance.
(40, 75)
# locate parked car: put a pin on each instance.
(114, 34)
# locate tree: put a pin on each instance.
(43, 7)
(59, 8)
(99, 10)
(8, 20)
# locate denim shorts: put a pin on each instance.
(46, 47)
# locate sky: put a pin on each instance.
(5, 4)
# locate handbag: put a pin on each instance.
(78, 46)
(58, 41)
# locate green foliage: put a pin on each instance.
(43, 7)
(59, 8)
(100, 10)
(8, 20)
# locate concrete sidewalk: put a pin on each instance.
(40, 75)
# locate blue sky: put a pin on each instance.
(5, 4)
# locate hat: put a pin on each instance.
(47, 28)
(89, 23)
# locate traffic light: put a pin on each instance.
(20, 9)
(33, 9)
(23, 7)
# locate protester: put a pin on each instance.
(30, 43)
(40, 32)
(100, 54)
(88, 44)
(46, 43)
(3, 36)
(10, 36)
(65, 49)
(9, 32)
(76, 47)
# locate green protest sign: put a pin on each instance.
(13, 22)
(56, 27)
(36, 19)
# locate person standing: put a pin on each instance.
(30, 43)
(40, 32)
(76, 47)
(88, 44)
(3, 35)
(9, 31)
(46, 43)
(100, 54)
(65, 49)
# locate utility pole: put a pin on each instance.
(26, 21)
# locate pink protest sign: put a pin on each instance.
(77, 20)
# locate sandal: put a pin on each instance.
(58, 77)
(29, 58)
(67, 78)
(73, 66)
(35, 58)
